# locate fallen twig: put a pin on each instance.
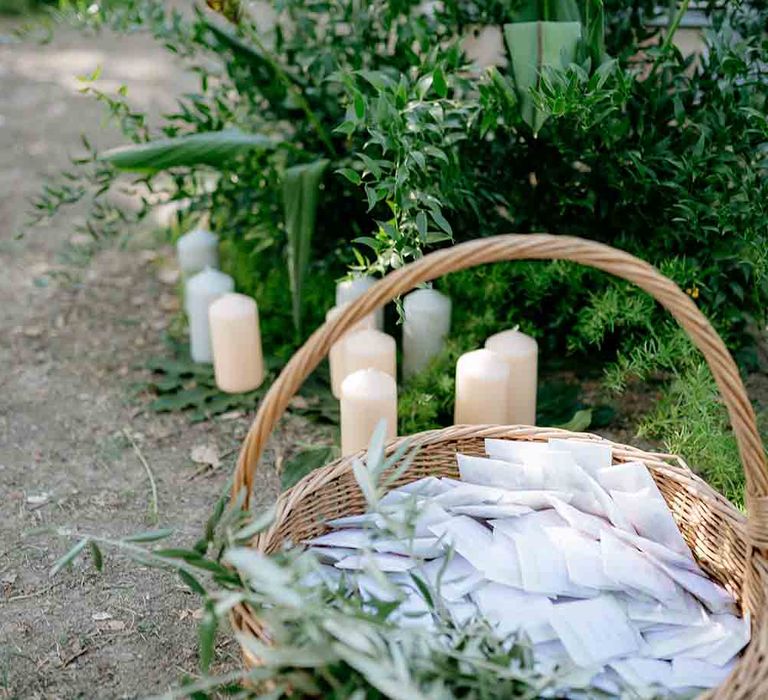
(25, 596)
(145, 464)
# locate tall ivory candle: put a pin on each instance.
(350, 289)
(426, 323)
(482, 388)
(336, 355)
(370, 349)
(200, 292)
(521, 352)
(197, 250)
(367, 396)
(238, 363)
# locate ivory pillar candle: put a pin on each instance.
(336, 354)
(349, 290)
(367, 396)
(200, 291)
(238, 363)
(197, 250)
(521, 353)
(427, 321)
(482, 388)
(370, 349)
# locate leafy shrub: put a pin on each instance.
(630, 143)
(671, 167)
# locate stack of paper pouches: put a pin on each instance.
(553, 541)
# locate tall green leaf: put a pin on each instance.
(547, 11)
(533, 47)
(594, 31)
(590, 13)
(212, 148)
(301, 192)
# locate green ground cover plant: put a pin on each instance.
(335, 136)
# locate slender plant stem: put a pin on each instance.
(211, 683)
(297, 93)
(133, 551)
(670, 35)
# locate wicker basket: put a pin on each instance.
(730, 548)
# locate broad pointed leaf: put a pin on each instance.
(546, 11)
(212, 148)
(534, 46)
(301, 193)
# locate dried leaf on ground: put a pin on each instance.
(206, 454)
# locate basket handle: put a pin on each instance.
(530, 247)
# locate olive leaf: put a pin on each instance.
(69, 557)
(207, 636)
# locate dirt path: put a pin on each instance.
(69, 347)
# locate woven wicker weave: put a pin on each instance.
(730, 548)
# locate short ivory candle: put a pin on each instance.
(197, 250)
(336, 354)
(200, 292)
(367, 396)
(426, 323)
(482, 388)
(238, 363)
(521, 353)
(370, 349)
(349, 290)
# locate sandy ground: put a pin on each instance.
(71, 339)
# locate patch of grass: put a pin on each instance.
(691, 421)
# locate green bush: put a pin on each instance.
(627, 142)
(671, 167)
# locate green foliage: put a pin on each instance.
(691, 421)
(179, 384)
(212, 148)
(648, 151)
(22, 7)
(671, 167)
(535, 47)
(301, 192)
(182, 385)
(325, 640)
